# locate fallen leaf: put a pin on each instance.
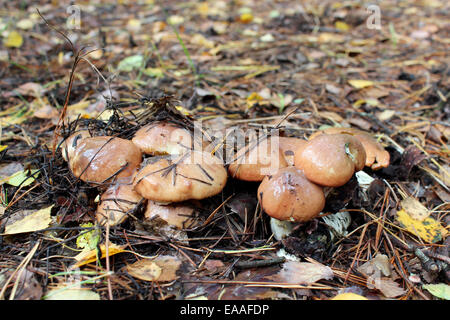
(8, 170)
(175, 20)
(388, 287)
(200, 40)
(385, 115)
(162, 269)
(88, 256)
(348, 296)
(22, 178)
(25, 24)
(340, 25)
(32, 89)
(415, 209)
(88, 239)
(28, 287)
(440, 290)
(32, 221)
(304, 273)
(71, 294)
(246, 17)
(359, 84)
(378, 264)
(131, 63)
(428, 229)
(268, 37)
(13, 40)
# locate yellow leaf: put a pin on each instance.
(22, 178)
(349, 296)
(200, 40)
(35, 221)
(429, 229)
(88, 256)
(253, 98)
(14, 40)
(154, 72)
(359, 84)
(203, 8)
(246, 18)
(340, 25)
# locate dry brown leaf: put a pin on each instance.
(304, 273)
(378, 264)
(388, 287)
(162, 269)
(415, 209)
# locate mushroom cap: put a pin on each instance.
(258, 159)
(289, 146)
(289, 195)
(195, 175)
(331, 160)
(99, 159)
(376, 156)
(175, 215)
(115, 203)
(161, 138)
(69, 145)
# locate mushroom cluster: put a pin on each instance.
(293, 190)
(293, 173)
(172, 172)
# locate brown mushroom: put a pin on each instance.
(290, 145)
(331, 160)
(260, 158)
(162, 138)
(195, 175)
(69, 145)
(100, 159)
(116, 203)
(376, 156)
(289, 195)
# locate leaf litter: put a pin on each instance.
(308, 66)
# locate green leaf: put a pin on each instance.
(23, 178)
(130, 63)
(88, 239)
(440, 290)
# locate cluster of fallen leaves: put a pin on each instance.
(247, 63)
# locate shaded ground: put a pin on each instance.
(246, 63)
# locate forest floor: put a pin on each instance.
(381, 67)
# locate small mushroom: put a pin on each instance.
(100, 159)
(260, 158)
(331, 160)
(376, 156)
(290, 145)
(289, 196)
(162, 138)
(69, 145)
(194, 175)
(116, 203)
